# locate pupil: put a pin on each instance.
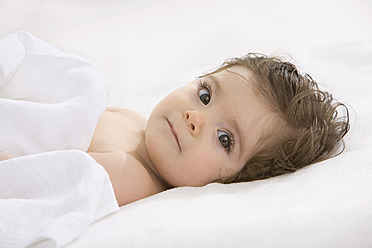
(205, 98)
(224, 139)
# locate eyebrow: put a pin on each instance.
(235, 125)
(232, 121)
(217, 86)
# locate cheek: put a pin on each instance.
(201, 166)
(175, 102)
(210, 164)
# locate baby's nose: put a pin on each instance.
(194, 120)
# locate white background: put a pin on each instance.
(147, 48)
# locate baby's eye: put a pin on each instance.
(225, 139)
(204, 95)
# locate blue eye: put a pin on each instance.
(224, 139)
(204, 94)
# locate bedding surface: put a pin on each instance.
(49, 101)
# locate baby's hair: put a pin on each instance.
(312, 115)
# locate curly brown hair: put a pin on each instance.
(312, 115)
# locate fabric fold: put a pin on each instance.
(50, 103)
(49, 100)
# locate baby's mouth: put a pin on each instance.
(174, 134)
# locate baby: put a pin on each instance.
(253, 118)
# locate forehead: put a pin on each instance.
(241, 72)
(237, 76)
(241, 103)
(238, 82)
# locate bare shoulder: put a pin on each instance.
(115, 140)
(4, 156)
(117, 129)
(125, 112)
(131, 180)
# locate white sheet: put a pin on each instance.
(49, 101)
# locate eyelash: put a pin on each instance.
(204, 85)
(230, 148)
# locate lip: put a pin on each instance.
(174, 134)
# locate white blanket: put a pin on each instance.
(49, 101)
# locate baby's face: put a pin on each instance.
(207, 129)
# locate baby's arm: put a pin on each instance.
(4, 156)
